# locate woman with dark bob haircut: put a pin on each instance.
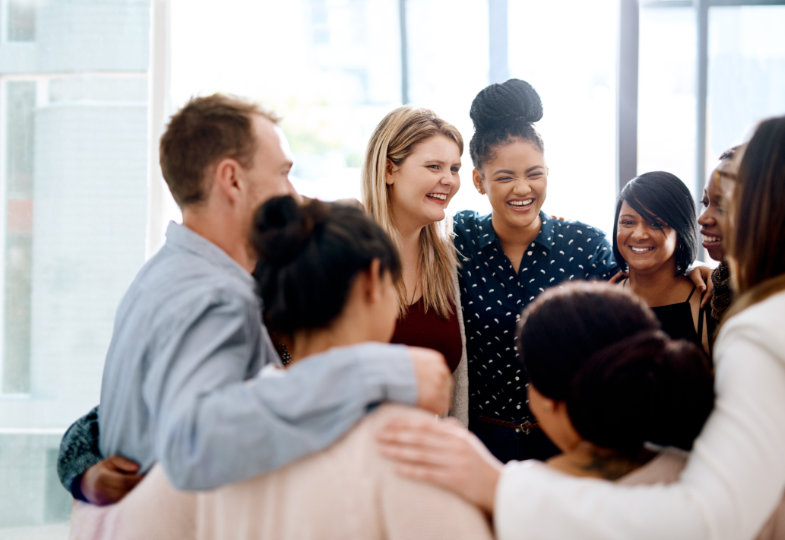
(605, 380)
(655, 238)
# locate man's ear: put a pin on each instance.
(373, 281)
(389, 170)
(477, 179)
(226, 177)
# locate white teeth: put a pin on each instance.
(640, 249)
(711, 239)
(440, 196)
(521, 203)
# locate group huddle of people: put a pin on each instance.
(290, 368)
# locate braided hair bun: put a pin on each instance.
(510, 102)
(502, 112)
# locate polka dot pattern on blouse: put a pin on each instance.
(493, 295)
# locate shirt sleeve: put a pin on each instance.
(79, 450)
(733, 480)
(604, 264)
(213, 429)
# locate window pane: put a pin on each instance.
(576, 84)
(20, 103)
(331, 68)
(666, 92)
(21, 20)
(73, 197)
(448, 65)
(746, 73)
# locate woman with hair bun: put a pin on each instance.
(604, 381)
(509, 257)
(327, 279)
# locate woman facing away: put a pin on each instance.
(509, 257)
(410, 174)
(735, 475)
(655, 238)
(605, 381)
(327, 282)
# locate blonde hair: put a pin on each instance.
(394, 139)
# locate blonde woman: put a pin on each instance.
(409, 176)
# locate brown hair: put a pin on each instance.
(395, 138)
(205, 130)
(758, 235)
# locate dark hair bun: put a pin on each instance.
(309, 255)
(283, 228)
(646, 388)
(501, 104)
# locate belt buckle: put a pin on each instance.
(524, 427)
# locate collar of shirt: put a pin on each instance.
(181, 237)
(487, 236)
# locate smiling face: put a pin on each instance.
(515, 179)
(424, 183)
(647, 247)
(713, 216)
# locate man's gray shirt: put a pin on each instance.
(182, 383)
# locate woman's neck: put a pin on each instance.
(587, 459)
(411, 253)
(515, 240)
(658, 288)
(307, 343)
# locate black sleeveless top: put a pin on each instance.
(676, 321)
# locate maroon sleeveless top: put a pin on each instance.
(420, 329)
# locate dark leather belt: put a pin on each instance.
(520, 427)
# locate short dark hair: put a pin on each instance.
(204, 131)
(500, 113)
(660, 195)
(598, 348)
(309, 255)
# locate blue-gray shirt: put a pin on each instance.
(182, 383)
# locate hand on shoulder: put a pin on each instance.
(434, 382)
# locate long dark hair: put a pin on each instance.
(758, 232)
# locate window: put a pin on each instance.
(19, 104)
(73, 212)
(20, 20)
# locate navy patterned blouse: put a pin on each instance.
(493, 295)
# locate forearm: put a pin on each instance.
(79, 451)
(241, 430)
